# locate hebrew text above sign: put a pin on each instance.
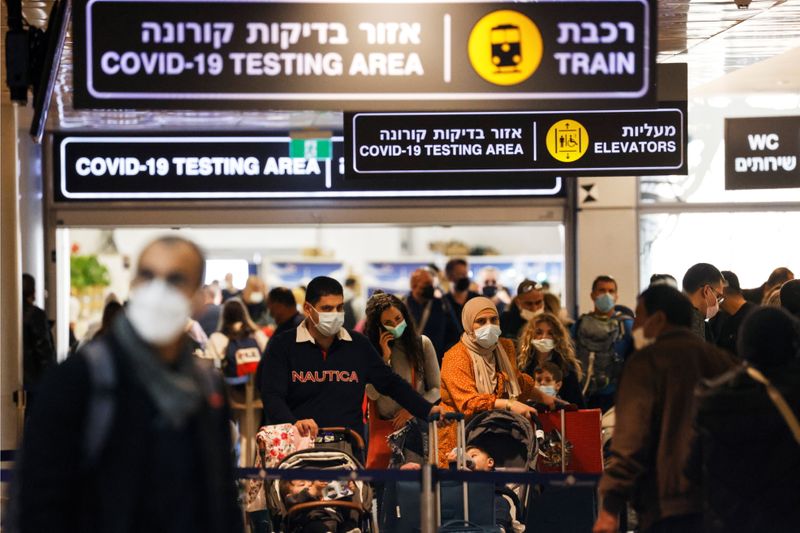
(364, 56)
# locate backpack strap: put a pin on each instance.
(779, 401)
(102, 398)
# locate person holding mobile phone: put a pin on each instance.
(410, 355)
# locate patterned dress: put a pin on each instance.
(459, 393)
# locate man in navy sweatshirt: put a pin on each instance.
(315, 376)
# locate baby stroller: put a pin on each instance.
(312, 506)
(507, 437)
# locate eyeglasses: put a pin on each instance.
(720, 297)
(528, 286)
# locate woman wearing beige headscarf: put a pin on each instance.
(478, 373)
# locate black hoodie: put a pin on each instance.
(744, 453)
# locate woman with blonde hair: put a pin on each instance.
(479, 374)
(545, 339)
(254, 296)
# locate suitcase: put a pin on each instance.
(567, 509)
(582, 432)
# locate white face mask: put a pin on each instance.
(329, 323)
(713, 309)
(528, 315)
(256, 297)
(158, 312)
(544, 345)
(639, 339)
(487, 336)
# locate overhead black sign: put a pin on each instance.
(241, 166)
(589, 143)
(762, 153)
(362, 55)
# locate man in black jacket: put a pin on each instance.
(526, 305)
(745, 452)
(790, 297)
(131, 434)
(283, 308)
(315, 376)
(39, 352)
(431, 315)
(733, 310)
(703, 285)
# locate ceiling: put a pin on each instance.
(728, 50)
(717, 39)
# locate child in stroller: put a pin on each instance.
(320, 506)
(318, 519)
(507, 507)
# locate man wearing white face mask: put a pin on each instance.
(526, 305)
(703, 284)
(142, 426)
(316, 375)
(653, 431)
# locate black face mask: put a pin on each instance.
(427, 292)
(490, 291)
(462, 285)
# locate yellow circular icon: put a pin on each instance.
(505, 47)
(567, 140)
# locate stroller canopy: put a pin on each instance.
(507, 437)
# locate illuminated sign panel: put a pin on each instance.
(762, 153)
(362, 56)
(588, 143)
(212, 166)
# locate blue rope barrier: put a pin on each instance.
(371, 476)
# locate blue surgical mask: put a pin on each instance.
(604, 303)
(398, 330)
(547, 389)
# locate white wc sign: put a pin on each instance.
(762, 153)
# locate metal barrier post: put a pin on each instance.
(21, 399)
(427, 501)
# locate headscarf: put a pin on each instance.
(486, 362)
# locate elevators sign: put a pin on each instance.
(365, 55)
(589, 143)
(762, 153)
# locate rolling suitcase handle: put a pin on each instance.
(461, 457)
(429, 510)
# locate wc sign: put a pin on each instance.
(762, 153)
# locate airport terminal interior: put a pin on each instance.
(545, 166)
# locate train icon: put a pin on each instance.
(506, 47)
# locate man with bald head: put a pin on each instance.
(430, 314)
(141, 426)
